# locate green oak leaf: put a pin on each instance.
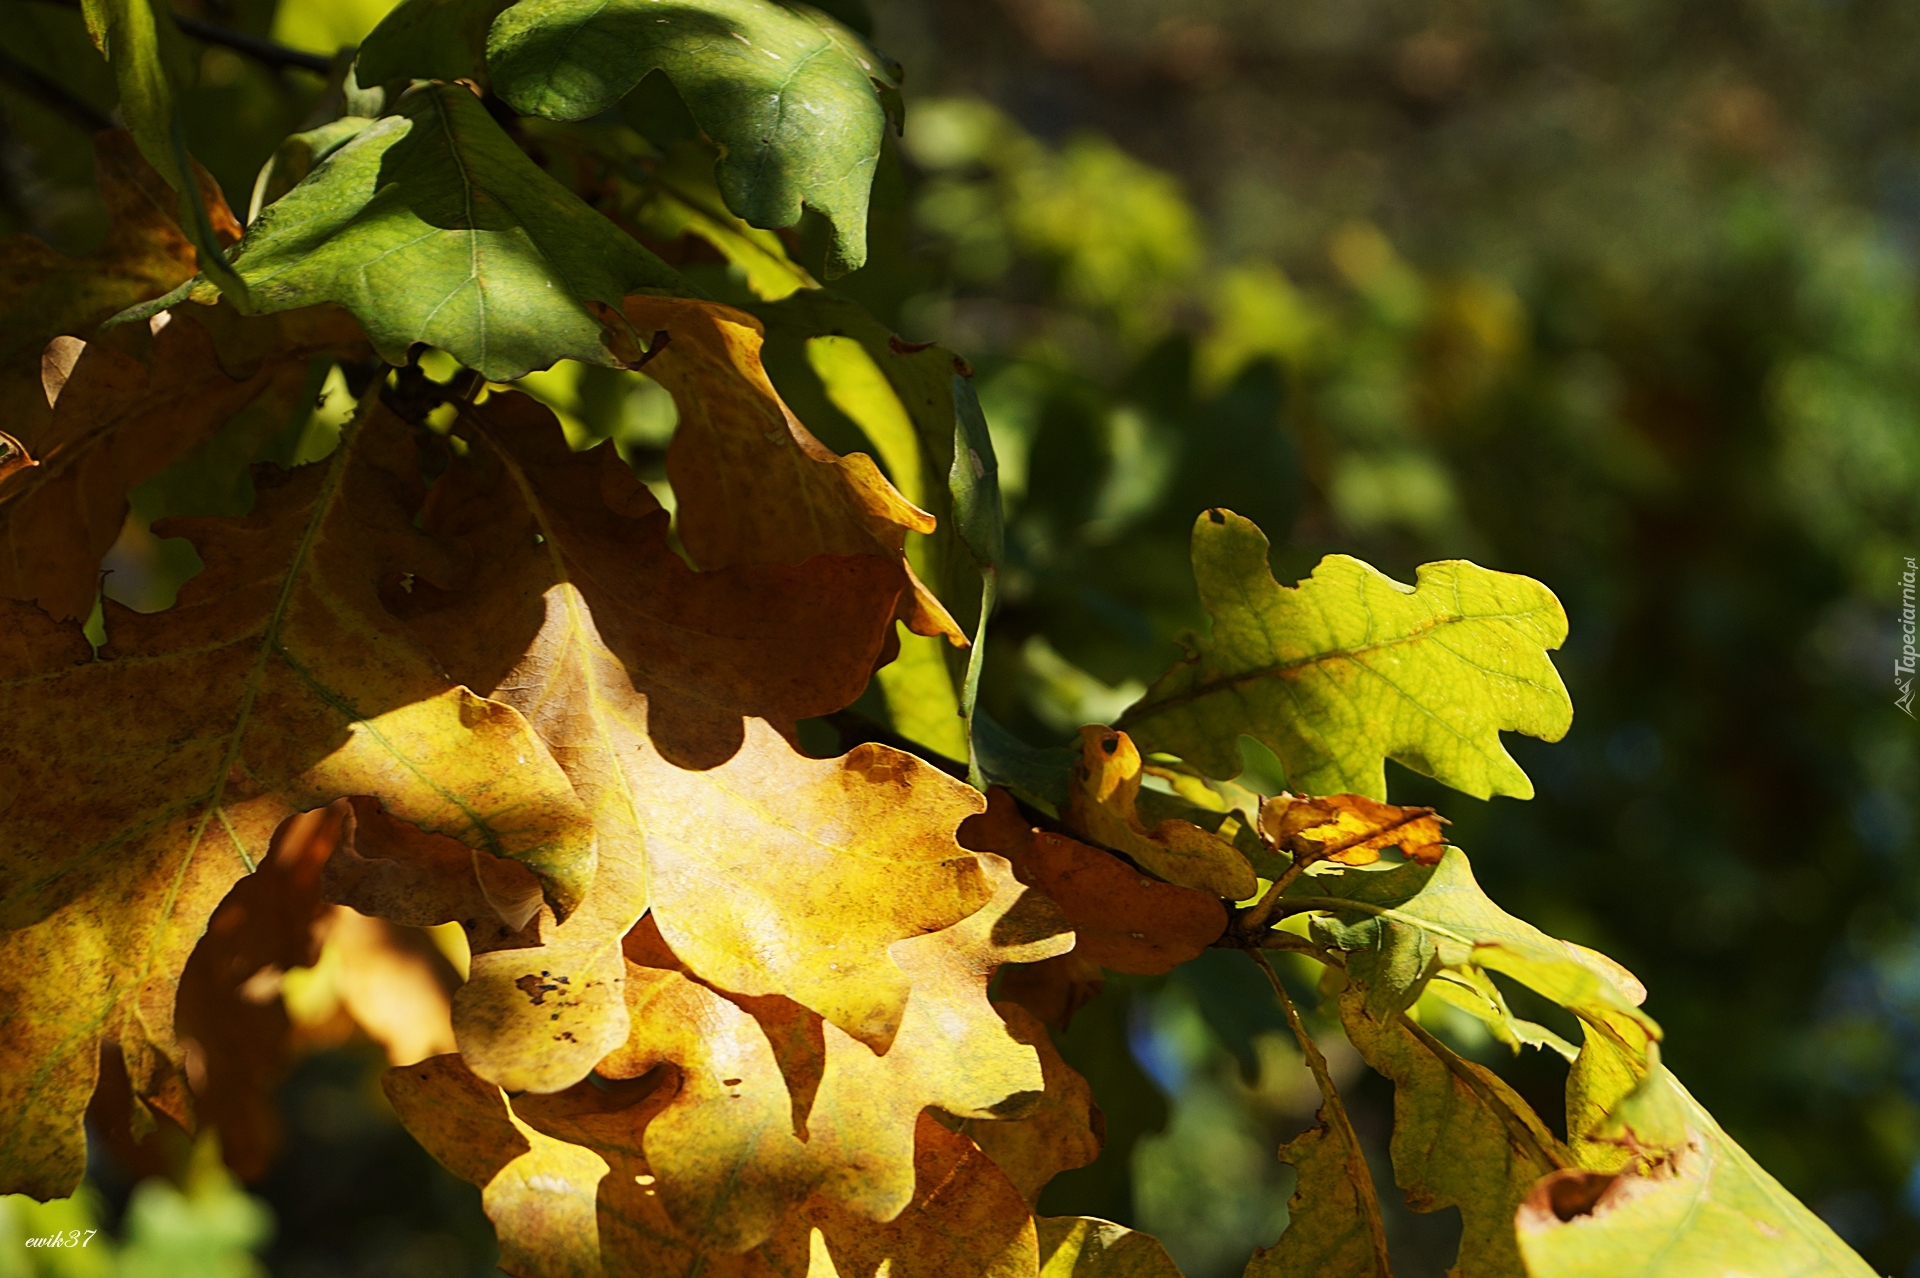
(1708, 1208)
(796, 102)
(1461, 1136)
(1329, 1231)
(428, 40)
(1401, 926)
(1351, 668)
(431, 226)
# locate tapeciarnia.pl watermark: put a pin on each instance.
(1903, 664)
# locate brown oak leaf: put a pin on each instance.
(1351, 829)
(1104, 788)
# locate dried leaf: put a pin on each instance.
(142, 786)
(754, 486)
(1351, 829)
(1053, 989)
(562, 1209)
(1123, 920)
(46, 294)
(1106, 785)
(1351, 668)
(580, 613)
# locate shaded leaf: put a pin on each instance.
(1053, 989)
(1327, 1233)
(1709, 1208)
(432, 226)
(1123, 920)
(143, 46)
(754, 485)
(124, 408)
(428, 40)
(796, 102)
(1333, 1219)
(1106, 786)
(1351, 668)
(1083, 1247)
(141, 786)
(46, 294)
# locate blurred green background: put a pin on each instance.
(1615, 293)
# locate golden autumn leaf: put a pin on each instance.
(774, 1103)
(565, 1200)
(1105, 787)
(775, 874)
(1124, 920)
(1351, 829)
(754, 485)
(141, 786)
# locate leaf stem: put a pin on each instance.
(970, 691)
(1333, 1113)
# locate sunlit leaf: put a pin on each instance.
(431, 226)
(1106, 786)
(1352, 668)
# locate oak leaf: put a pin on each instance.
(774, 1103)
(1123, 920)
(1105, 789)
(141, 786)
(630, 664)
(1063, 1131)
(125, 406)
(1351, 668)
(279, 973)
(1350, 828)
(567, 1198)
(46, 294)
(754, 485)
(1087, 1247)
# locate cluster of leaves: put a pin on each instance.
(726, 1006)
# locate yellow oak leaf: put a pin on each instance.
(774, 873)
(754, 485)
(1104, 789)
(140, 786)
(1065, 1130)
(774, 1103)
(569, 1195)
